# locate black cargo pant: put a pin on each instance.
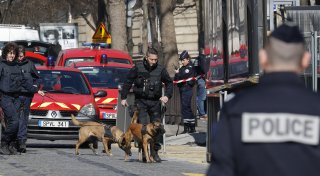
(149, 111)
(10, 106)
(25, 100)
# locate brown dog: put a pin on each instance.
(144, 135)
(98, 130)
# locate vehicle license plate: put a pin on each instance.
(61, 124)
(109, 115)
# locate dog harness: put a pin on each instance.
(107, 132)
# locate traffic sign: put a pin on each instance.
(101, 35)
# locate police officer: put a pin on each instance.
(11, 83)
(273, 128)
(31, 75)
(185, 88)
(148, 77)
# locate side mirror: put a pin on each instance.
(100, 93)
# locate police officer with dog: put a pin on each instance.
(148, 78)
(12, 81)
(272, 128)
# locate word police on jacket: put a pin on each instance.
(280, 127)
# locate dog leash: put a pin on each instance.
(78, 112)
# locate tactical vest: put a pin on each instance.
(148, 85)
(10, 79)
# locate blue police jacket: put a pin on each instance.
(29, 72)
(12, 79)
(269, 130)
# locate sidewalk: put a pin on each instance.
(187, 147)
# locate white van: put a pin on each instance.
(12, 32)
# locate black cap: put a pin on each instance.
(184, 55)
(288, 33)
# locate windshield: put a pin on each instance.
(105, 77)
(69, 61)
(63, 82)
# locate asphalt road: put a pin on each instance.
(46, 158)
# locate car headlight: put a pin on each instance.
(87, 110)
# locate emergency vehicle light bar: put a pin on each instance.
(96, 45)
(50, 62)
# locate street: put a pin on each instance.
(46, 158)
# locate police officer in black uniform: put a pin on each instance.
(31, 75)
(273, 128)
(185, 88)
(148, 77)
(11, 83)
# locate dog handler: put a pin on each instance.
(273, 128)
(148, 77)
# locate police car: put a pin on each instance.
(106, 76)
(67, 92)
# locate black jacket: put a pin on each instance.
(12, 79)
(133, 76)
(270, 129)
(29, 71)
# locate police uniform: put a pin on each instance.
(30, 73)
(185, 89)
(11, 83)
(270, 129)
(148, 90)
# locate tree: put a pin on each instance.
(168, 34)
(117, 13)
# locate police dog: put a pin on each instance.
(98, 130)
(144, 135)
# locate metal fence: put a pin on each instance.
(311, 74)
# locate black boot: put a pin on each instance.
(192, 128)
(156, 156)
(13, 146)
(22, 148)
(4, 150)
(185, 128)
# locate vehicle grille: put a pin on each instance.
(112, 122)
(45, 112)
(39, 112)
(68, 113)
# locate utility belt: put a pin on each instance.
(148, 90)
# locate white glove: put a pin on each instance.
(41, 92)
(124, 103)
(164, 99)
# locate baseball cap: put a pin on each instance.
(288, 33)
